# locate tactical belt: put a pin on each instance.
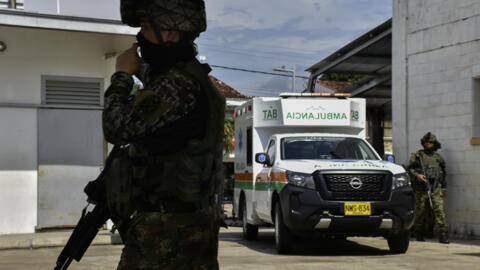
(145, 161)
(169, 207)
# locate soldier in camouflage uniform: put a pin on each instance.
(172, 130)
(434, 172)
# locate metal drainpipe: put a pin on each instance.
(13, 4)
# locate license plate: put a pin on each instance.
(358, 209)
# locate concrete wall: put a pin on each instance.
(436, 56)
(31, 53)
(18, 172)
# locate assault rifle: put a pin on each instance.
(83, 235)
(89, 223)
(427, 183)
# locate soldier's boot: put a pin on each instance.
(429, 233)
(443, 238)
(419, 237)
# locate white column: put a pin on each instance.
(400, 81)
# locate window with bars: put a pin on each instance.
(73, 91)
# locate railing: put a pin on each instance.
(13, 4)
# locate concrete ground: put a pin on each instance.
(236, 253)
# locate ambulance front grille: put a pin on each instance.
(348, 186)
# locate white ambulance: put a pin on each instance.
(303, 165)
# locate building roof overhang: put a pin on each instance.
(369, 55)
(20, 18)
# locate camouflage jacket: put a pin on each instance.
(433, 164)
(152, 111)
(174, 133)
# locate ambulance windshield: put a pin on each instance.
(326, 148)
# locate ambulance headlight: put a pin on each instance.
(300, 179)
(400, 180)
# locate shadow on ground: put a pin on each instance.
(469, 254)
(305, 247)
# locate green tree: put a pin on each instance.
(342, 77)
(229, 135)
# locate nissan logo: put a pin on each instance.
(356, 183)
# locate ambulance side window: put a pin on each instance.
(249, 146)
(271, 151)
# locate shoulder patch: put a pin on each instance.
(413, 156)
(150, 106)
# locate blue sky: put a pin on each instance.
(260, 34)
(263, 35)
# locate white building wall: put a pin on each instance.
(399, 82)
(34, 52)
(31, 53)
(433, 69)
(104, 9)
(18, 170)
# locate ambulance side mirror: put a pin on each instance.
(262, 158)
(389, 158)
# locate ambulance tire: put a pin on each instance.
(283, 236)
(250, 232)
(398, 243)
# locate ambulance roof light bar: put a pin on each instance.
(337, 95)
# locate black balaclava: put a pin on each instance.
(428, 151)
(161, 57)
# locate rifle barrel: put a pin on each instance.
(63, 265)
(82, 236)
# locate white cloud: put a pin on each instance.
(312, 14)
(229, 38)
(298, 44)
(265, 34)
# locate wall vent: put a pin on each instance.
(72, 91)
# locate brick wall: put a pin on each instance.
(434, 67)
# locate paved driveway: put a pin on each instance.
(236, 253)
(355, 253)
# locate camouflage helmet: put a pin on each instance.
(179, 15)
(430, 137)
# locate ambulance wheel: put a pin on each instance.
(250, 232)
(398, 243)
(283, 236)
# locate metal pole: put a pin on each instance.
(58, 6)
(13, 4)
(293, 90)
(293, 71)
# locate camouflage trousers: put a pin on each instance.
(421, 208)
(157, 240)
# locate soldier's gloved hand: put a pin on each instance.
(444, 193)
(421, 177)
(128, 61)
